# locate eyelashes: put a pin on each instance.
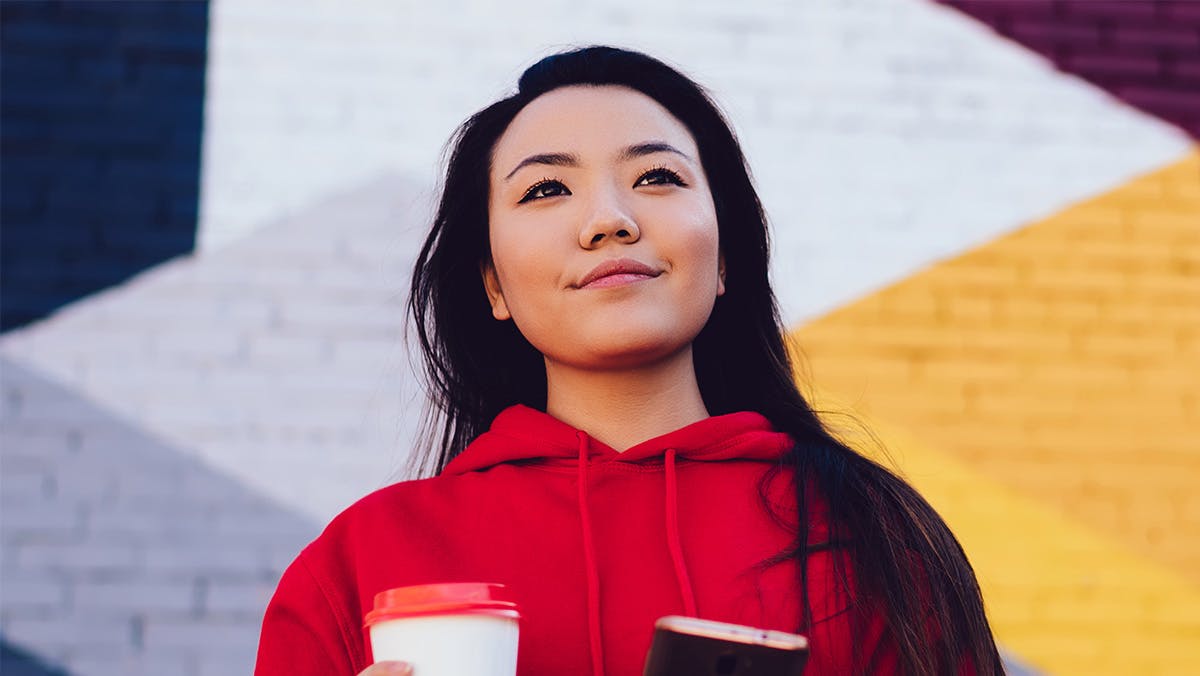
(660, 176)
(549, 187)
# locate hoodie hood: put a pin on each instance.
(521, 433)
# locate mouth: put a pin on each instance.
(617, 272)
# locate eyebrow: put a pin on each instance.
(571, 160)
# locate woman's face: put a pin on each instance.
(602, 227)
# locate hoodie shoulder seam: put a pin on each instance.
(335, 609)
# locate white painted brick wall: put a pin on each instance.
(902, 101)
(316, 376)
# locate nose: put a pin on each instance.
(608, 220)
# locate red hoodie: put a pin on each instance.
(594, 544)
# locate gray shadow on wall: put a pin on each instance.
(120, 554)
(1014, 667)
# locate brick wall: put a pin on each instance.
(102, 106)
(121, 555)
(1056, 362)
(1146, 52)
(902, 100)
(170, 443)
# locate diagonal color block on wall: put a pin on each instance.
(103, 107)
(1065, 599)
(1146, 52)
(123, 554)
(1060, 359)
(279, 360)
(1058, 362)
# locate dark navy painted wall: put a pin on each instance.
(16, 662)
(102, 109)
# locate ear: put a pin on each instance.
(721, 274)
(491, 284)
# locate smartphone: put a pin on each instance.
(687, 646)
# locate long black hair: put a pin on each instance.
(905, 561)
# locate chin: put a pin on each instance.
(626, 349)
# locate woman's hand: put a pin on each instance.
(388, 669)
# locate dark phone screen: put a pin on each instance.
(676, 654)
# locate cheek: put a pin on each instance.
(695, 242)
(525, 256)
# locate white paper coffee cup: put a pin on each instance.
(458, 629)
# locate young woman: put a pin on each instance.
(617, 435)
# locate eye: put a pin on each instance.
(659, 176)
(546, 187)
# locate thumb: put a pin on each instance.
(391, 668)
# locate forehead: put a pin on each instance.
(594, 122)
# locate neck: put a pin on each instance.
(625, 407)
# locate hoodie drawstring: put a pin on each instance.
(589, 555)
(672, 510)
(589, 551)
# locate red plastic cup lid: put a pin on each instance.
(458, 598)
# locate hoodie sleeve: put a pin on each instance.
(303, 633)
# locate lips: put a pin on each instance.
(618, 266)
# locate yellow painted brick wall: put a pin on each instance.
(1061, 362)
